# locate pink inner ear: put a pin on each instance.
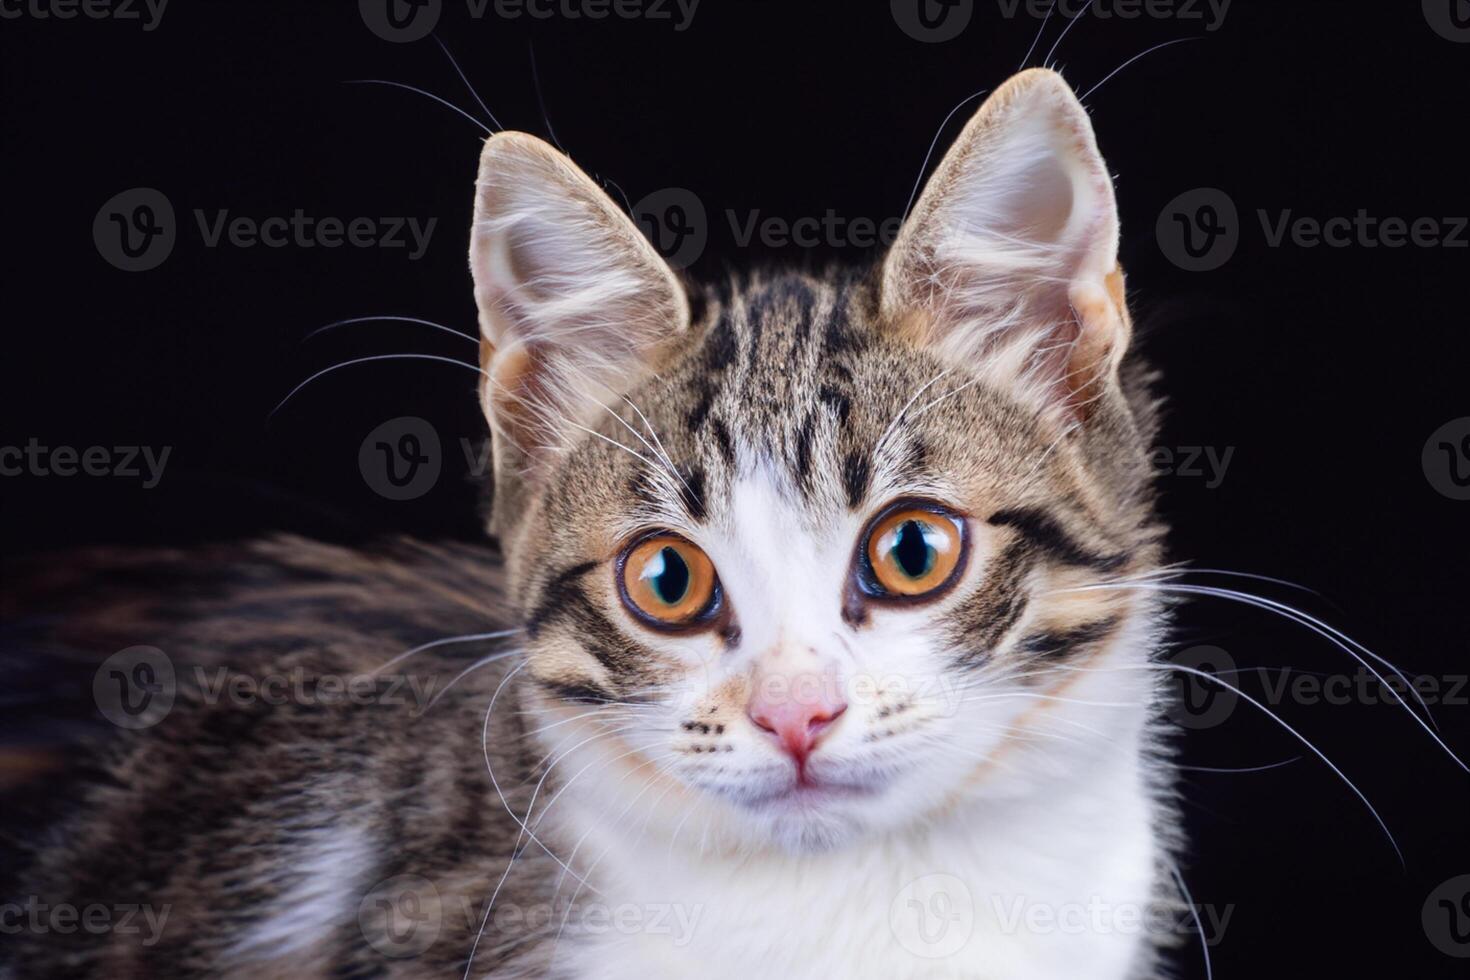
(515, 396)
(573, 300)
(1041, 209)
(1006, 255)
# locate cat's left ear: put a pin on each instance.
(1009, 260)
(575, 304)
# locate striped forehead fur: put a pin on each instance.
(799, 375)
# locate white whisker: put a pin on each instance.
(365, 360)
(1037, 39)
(464, 78)
(483, 661)
(1062, 36)
(394, 319)
(1084, 96)
(1206, 675)
(1341, 640)
(446, 641)
(427, 95)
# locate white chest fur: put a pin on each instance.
(1009, 889)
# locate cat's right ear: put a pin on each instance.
(1009, 259)
(574, 303)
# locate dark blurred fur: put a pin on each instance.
(214, 812)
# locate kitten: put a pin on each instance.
(810, 678)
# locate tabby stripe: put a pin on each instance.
(641, 486)
(1047, 533)
(856, 472)
(578, 692)
(596, 634)
(558, 594)
(840, 403)
(691, 492)
(986, 619)
(804, 450)
(756, 325)
(839, 340)
(723, 442)
(700, 412)
(916, 456)
(1054, 644)
(564, 598)
(720, 347)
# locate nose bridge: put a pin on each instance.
(776, 564)
(796, 694)
(788, 575)
(783, 684)
(790, 656)
(779, 565)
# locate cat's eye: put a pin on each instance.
(912, 551)
(668, 582)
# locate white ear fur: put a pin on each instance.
(1010, 256)
(574, 303)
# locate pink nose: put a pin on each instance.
(798, 713)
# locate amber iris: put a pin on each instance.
(913, 552)
(668, 580)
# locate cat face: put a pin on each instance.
(822, 560)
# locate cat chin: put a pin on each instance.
(812, 831)
(830, 829)
(823, 823)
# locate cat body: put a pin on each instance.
(817, 658)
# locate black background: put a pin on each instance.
(1325, 369)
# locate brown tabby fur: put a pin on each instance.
(214, 812)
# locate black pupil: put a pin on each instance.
(911, 551)
(673, 582)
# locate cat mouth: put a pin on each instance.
(810, 791)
